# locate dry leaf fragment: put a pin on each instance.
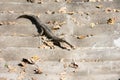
(61, 60)
(31, 1)
(73, 65)
(35, 58)
(38, 71)
(21, 75)
(1, 23)
(50, 12)
(92, 25)
(62, 10)
(29, 61)
(84, 36)
(65, 65)
(63, 76)
(22, 64)
(7, 23)
(50, 44)
(116, 10)
(57, 0)
(11, 68)
(71, 13)
(11, 23)
(92, 0)
(35, 1)
(75, 21)
(99, 6)
(62, 23)
(56, 27)
(43, 46)
(11, 12)
(107, 10)
(40, 2)
(33, 78)
(68, 1)
(81, 37)
(111, 21)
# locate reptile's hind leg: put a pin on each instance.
(58, 44)
(40, 33)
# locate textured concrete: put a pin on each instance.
(96, 56)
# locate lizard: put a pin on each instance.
(44, 29)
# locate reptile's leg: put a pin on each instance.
(42, 32)
(68, 43)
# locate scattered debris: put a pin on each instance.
(111, 21)
(92, 0)
(81, 37)
(84, 36)
(63, 76)
(43, 46)
(75, 20)
(49, 44)
(46, 43)
(57, 25)
(22, 64)
(92, 25)
(65, 65)
(40, 2)
(68, 1)
(28, 61)
(38, 71)
(61, 60)
(35, 1)
(57, 0)
(73, 65)
(33, 78)
(107, 10)
(11, 12)
(95, 0)
(11, 68)
(50, 12)
(71, 13)
(63, 10)
(21, 76)
(116, 10)
(31, 60)
(7, 23)
(99, 6)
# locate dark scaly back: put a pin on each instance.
(35, 20)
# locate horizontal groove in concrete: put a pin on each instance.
(15, 41)
(87, 55)
(19, 7)
(100, 18)
(18, 30)
(72, 1)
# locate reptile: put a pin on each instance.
(44, 29)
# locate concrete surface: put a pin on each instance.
(96, 56)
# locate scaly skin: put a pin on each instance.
(43, 29)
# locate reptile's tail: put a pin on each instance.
(34, 19)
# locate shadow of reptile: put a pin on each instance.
(44, 30)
